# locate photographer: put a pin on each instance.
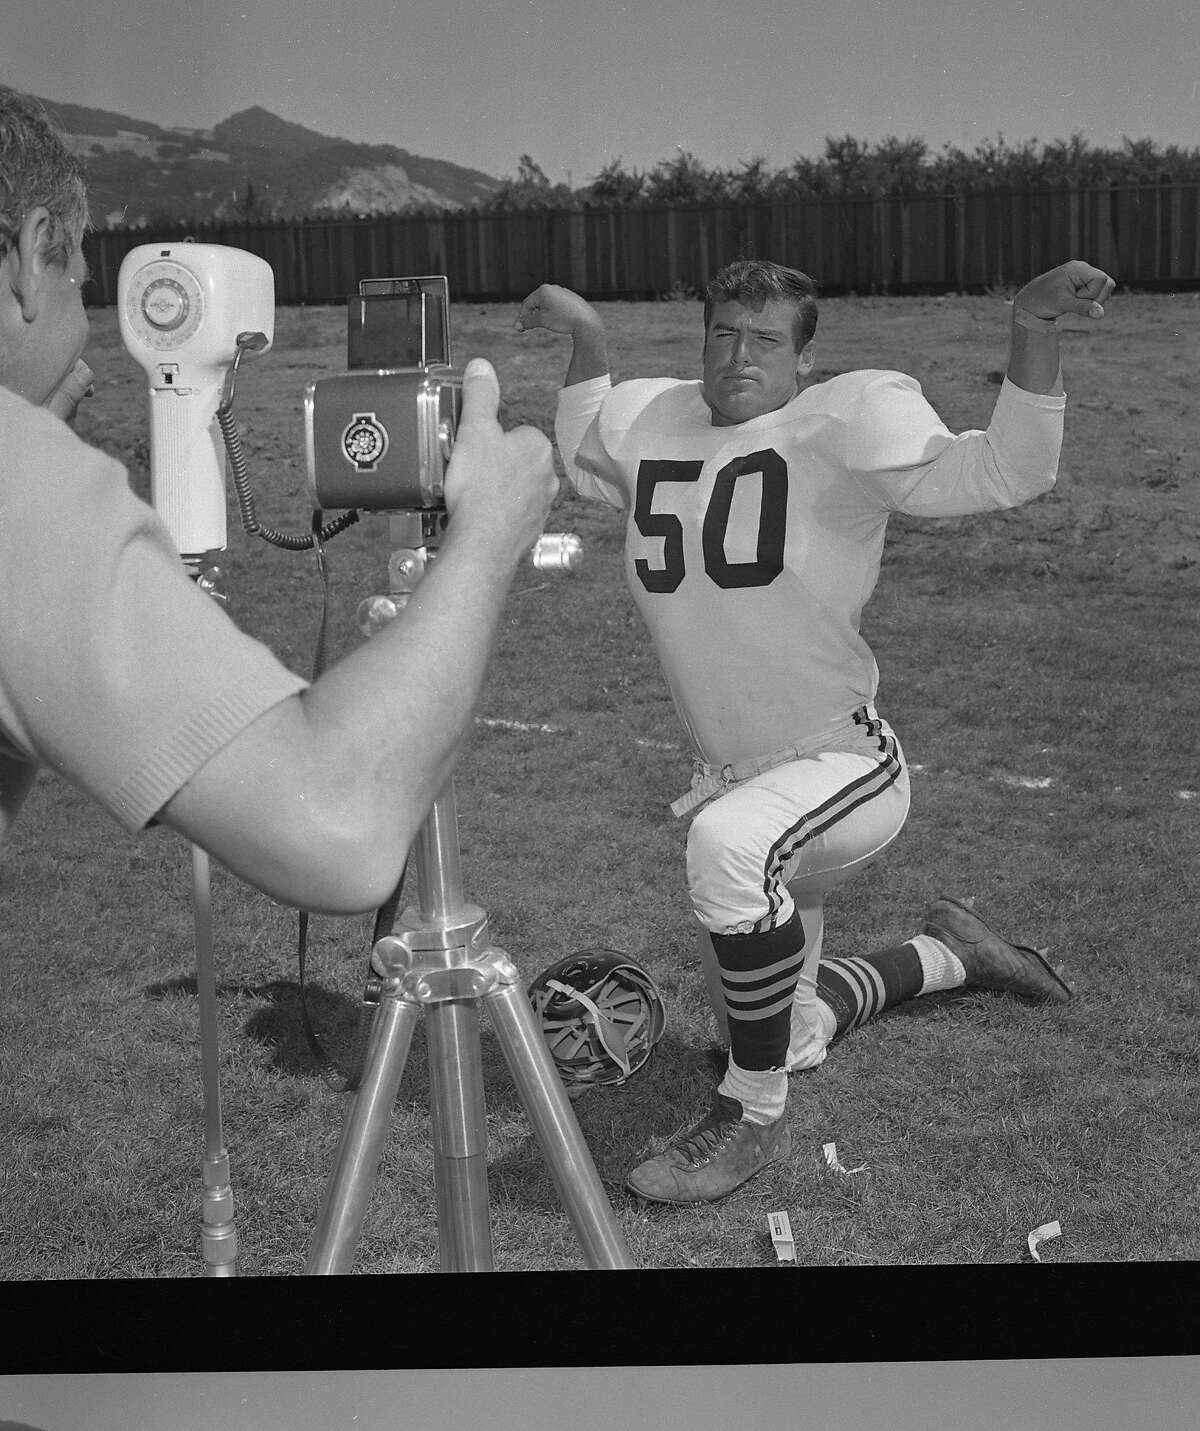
(119, 674)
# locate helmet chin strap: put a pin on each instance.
(606, 1029)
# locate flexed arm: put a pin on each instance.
(1075, 287)
(560, 310)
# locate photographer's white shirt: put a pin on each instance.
(115, 671)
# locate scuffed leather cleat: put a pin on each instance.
(723, 1151)
(991, 962)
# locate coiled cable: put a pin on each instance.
(290, 541)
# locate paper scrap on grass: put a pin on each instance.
(1042, 1234)
(831, 1158)
(781, 1236)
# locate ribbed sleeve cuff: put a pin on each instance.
(143, 792)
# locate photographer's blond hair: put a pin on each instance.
(37, 168)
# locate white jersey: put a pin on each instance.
(751, 550)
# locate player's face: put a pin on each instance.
(750, 363)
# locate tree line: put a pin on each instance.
(855, 168)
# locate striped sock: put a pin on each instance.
(758, 977)
(859, 988)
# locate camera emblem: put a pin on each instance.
(364, 441)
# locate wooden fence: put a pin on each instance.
(1146, 236)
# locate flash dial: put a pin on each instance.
(165, 305)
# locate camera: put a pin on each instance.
(379, 436)
(186, 312)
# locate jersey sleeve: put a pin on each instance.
(897, 446)
(590, 469)
(115, 671)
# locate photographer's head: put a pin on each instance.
(759, 321)
(43, 215)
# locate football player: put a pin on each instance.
(757, 499)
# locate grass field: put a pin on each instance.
(1041, 668)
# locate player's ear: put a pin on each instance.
(805, 358)
(27, 261)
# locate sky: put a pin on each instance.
(577, 85)
(1076, 1394)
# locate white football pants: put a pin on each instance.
(777, 843)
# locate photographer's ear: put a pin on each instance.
(27, 262)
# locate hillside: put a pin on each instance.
(253, 164)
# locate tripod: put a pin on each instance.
(438, 960)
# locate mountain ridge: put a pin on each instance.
(252, 165)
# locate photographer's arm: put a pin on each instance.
(318, 800)
(559, 310)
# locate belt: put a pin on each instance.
(709, 781)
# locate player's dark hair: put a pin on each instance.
(755, 281)
(37, 168)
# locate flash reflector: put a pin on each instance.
(182, 308)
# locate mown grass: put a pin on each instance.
(1041, 669)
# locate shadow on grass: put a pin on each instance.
(278, 1024)
(620, 1124)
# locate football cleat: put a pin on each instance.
(723, 1151)
(991, 962)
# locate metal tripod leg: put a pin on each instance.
(218, 1232)
(554, 1124)
(451, 997)
(439, 959)
(459, 1124)
(356, 1164)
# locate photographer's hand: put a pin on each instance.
(498, 483)
(560, 310)
(65, 399)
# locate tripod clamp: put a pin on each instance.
(412, 962)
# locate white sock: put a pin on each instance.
(941, 968)
(761, 1092)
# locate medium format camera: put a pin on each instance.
(379, 436)
(185, 311)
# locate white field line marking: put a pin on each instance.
(523, 726)
(526, 727)
(1022, 782)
